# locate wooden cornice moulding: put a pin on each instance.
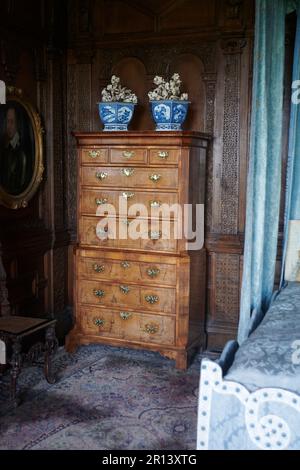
(219, 243)
(131, 138)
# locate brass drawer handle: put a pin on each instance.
(99, 268)
(155, 178)
(151, 299)
(128, 195)
(155, 235)
(127, 171)
(125, 264)
(125, 315)
(153, 272)
(99, 321)
(99, 293)
(101, 202)
(151, 328)
(101, 175)
(163, 154)
(155, 204)
(124, 289)
(95, 153)
(128, 154)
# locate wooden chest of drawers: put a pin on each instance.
(147, 290)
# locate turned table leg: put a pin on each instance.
(15, 362)
(51, 345)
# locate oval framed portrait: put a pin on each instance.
(21, 152)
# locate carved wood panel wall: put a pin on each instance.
(210, 43)
(35, 239)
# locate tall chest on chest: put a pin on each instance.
(137, 282)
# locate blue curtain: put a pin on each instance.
(292, 205)
(292, 5)
(264, 177)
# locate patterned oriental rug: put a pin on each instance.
(105, 399)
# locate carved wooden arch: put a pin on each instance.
(190, 68)
(133, 71)
(133, 74)
(157, 59)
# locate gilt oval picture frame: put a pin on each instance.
(21, 152)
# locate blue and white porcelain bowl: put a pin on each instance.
(169, 115)
(116, 116)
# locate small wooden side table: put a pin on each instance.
(18, 334)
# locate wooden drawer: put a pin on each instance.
(127, 296)
(88, 236)
(130, 326)
(130, 177)
(164, 156)
(127, 271)
(94, 155)
(92, 199)
(128, 156)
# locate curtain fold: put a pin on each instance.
(264, 177)
(292, 5)
(292, 203)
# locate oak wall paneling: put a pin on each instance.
(62, 54)
(35, 239)
(210, 43)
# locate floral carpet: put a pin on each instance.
(104, 399)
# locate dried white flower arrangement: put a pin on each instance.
(167, 90)
(115, 92)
